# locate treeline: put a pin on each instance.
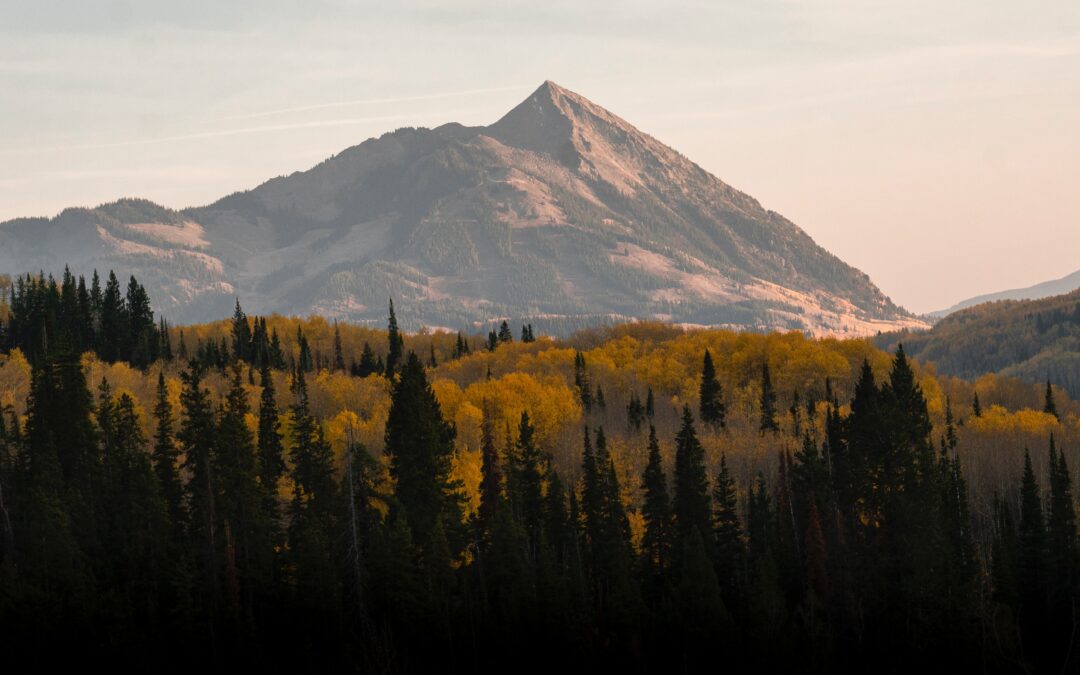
(114, 324)
(1033, 340)
(229, 536)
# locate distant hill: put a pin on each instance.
(1044, 290)
(560, 213)
(1033, 340)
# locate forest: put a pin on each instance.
(277, 493)
(1033, 340)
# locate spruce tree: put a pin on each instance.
(1050, 407)
(420, 444)
(491, 492)
(505, 334)
(166, 459)
(312, 529)
(241, 335)
(768, 401)
(711, 406)
(396, 344)
(656, 543)
(727, 528)
(197, 435)
(1061, 528)
(528, 483)
(691, 502)
(339, 353)
(1031, 555)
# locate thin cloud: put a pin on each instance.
(372, 101)
(345, 121)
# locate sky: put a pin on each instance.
(934, 144)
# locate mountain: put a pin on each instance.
(1044, 290)
(560, 213)
(1033, 340)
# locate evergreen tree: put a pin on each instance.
(768, 401)
(505, 334)
(166, 459)
(691, 502)
(396, 344)
(656, 543)
(528, 483)
(312, 511)
(420, 444)
(1031, 554)
(240, 501)
(114, 325)
(1050, 407)
(196, 436)
(491, 493)
(976, 407)
(1061, 529)
(339, 354)
(581, 381)
(367, 365)
(241, 335)
(727, 529)
(140, 342)
(711, 408)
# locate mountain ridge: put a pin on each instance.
(560, 211)
(1045, 289)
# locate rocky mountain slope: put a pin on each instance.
(559, 213)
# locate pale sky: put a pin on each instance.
(934, 144)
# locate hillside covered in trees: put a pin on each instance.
(1033, 340)
(277, 493)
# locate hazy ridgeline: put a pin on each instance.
(278, 491)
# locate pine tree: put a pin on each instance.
(727, 528)
(140, 346)
(581, 381)
(505, 334)
(304, 361)
(656, 543)
(114, 328)
(339, 353)
(691, 502)
(432, 361)
(976, 407)
(312, 523)
(528, 482)
(1061, 528)
(396, 344)
(197, 436)
(1031, 554)
(768, 401)
(166, 459)
(491, 489)
(1050, 407)
(420, 444)
(241, 335)
(711, 407)
(240, 500)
